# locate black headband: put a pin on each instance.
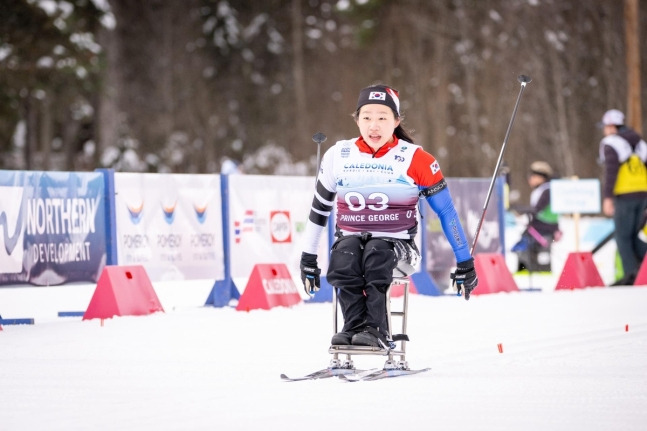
(381, 95)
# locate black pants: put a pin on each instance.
(362, 270)
(628, 218)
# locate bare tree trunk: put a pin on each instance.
(562, 143)
(438, 109)
(107, 111)
(31, 133)
(26, 150)
(420, 79)
(166, 63)
(466, 25)
(46, 132)
(634, 109)
(70, 131)
(298, 72)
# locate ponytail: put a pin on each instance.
(400, 133)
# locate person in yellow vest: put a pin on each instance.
(623, 154)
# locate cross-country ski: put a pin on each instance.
(321, 374)
(380, 374)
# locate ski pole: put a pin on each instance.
(318, 138)
(524, 80)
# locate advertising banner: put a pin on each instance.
(52, 227)
(267, 219)
(171, 224)
(469, 196)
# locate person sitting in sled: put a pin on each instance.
(376, 180)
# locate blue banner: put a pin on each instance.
(52, 227)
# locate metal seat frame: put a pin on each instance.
(350, 350)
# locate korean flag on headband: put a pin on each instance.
(435, 167)
(377, 95)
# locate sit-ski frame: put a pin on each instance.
(351, 350)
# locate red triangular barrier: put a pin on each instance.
(269, 285)
(579, 272)
(123, 291)
(641, 277)
(397, 289)
(493, 273)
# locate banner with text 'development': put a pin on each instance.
(171, 224)
(52, 227)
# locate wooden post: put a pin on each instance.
(576, 220)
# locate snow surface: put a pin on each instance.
(572, 360)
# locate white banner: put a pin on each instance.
(171, 224)
(579, 196)
(267, 216)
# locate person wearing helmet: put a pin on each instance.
(623, 154)
(533, 249)
(376, 180)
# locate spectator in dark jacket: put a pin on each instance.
(533, 249)
(623, 154)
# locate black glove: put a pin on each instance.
(310, 273)
(465, 277)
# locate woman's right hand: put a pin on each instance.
(310, 273)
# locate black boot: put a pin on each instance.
(627, 280)
(370, 337)
(342, 338)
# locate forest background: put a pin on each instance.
(178, 86)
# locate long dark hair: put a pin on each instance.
(399, 131)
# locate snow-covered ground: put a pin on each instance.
(571, 360)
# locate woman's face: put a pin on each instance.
(376, 124)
